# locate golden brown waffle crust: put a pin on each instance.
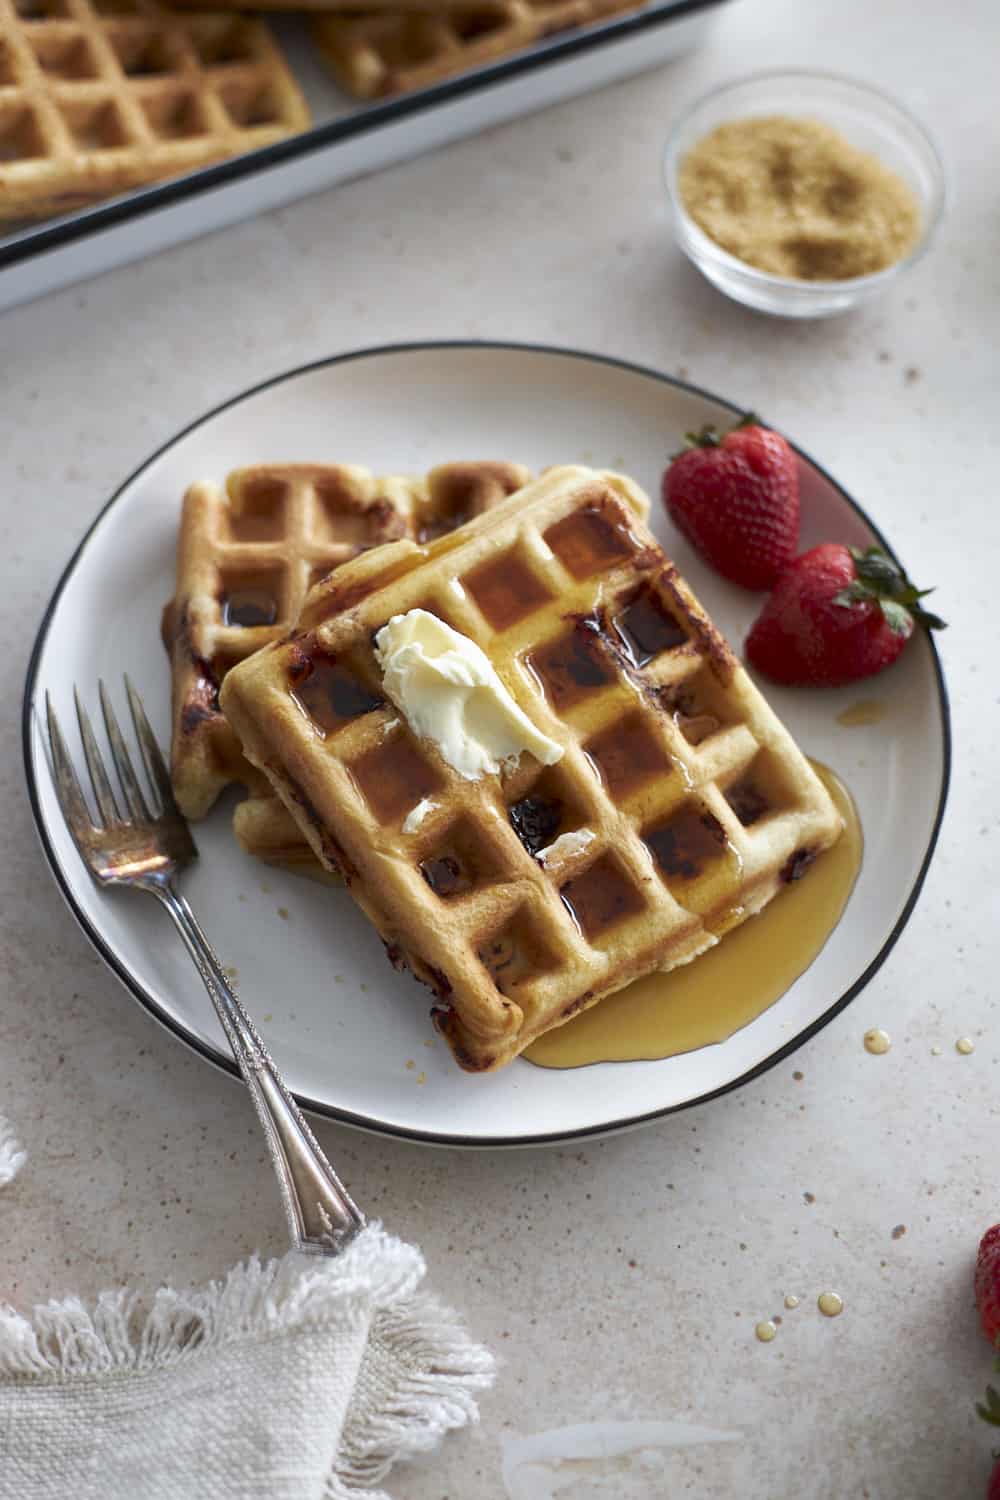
(95, 100)
(526, 944)
(394, 48)
(278, 527)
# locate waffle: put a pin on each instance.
(246, 559)
(98, 96)
(392, 51)
(302, 7)
(679, 807)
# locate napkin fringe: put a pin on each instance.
(12, 1158)
(67, 1338)
(418, 1380)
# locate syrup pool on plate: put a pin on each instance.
(730, 985)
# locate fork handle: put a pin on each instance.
(322, 1217)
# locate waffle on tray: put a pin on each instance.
(696, 799)
(246, 558)
(98, 96)
(395, 49)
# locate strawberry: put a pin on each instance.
(993, 1493)
(988, 1287)
(835, 615)
(736, 499)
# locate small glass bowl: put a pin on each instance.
(869, 119)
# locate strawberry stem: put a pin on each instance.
(708, 435)
(989, 1409)
(879, 579)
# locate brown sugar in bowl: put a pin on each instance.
(802, 194)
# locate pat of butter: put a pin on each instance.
(416, 815)
(566, 846)
(448, 690)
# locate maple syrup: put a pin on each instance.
(601, 897)
(696, 861)
(574, 665)
(330, 695)
(865, 711)
(748, 801)
(537, 821)
(627, 755)
(393, 776)
(646, 629)
(729, 986)
(506, 589)
(249, 607)
(446, 875)
(589, 541)
(684, 845)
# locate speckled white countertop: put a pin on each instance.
(620, 1281)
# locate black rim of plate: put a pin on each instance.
(365, 1122)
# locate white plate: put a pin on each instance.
(343, 1026)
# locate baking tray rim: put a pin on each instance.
(85, 222)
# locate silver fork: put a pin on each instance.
(145, 850)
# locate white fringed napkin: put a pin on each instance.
(294, 1379)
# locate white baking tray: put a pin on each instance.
(348, 140)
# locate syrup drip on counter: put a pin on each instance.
(728, 987)
(865, 711)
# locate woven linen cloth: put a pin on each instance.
(292, 1379)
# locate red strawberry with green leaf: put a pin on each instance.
(835, 615)
(736, 499)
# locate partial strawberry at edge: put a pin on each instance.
(836, 615)
(736, 499)
(987, 1283)
(993, 1493)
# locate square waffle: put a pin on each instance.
(98, 96)
(246, 558)
(397, 49)
(679, 807)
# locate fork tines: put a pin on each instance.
(139, 808)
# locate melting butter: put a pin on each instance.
(446, 687)
(416, 815)
(567, 845)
